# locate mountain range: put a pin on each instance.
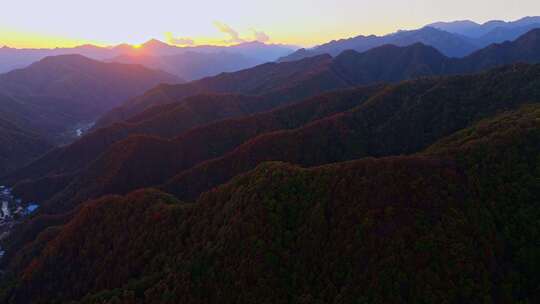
(475, 30)
(185, 62)
(157, 125)
(453, 39)
(313, 75)
(390, 174)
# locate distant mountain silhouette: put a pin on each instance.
(192, 65)
(449, 44)
(503, 34)
(11, 58)
(490, 32)
(454, 39)
(462, 27)
(475, 30)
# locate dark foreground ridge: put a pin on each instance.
(456, 224)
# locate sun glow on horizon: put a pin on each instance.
(22, 40)
(304, 23)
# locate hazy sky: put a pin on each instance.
(46, 23)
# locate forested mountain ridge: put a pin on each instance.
(379, 121)
(417, 221)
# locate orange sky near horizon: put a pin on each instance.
(67, 23)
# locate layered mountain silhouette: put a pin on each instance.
(453, 39)
(474, 30)
(192, 65)
(248, 54)
(13, 58)
(449, 44)
(298, 79)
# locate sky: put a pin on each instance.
(65, 23)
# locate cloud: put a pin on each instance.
(178, 40)
(260, 36)
(234, 37)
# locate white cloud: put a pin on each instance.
(260, 36)
(178, 40)
(234, 37)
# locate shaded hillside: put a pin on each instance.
(57, 93)
(461, 229)
(190, 148)
(400, 120)
(172, 119)
(287, 218)
(19, 147)
(525, 49)
(390, 64)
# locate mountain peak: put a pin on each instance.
(154, 43)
